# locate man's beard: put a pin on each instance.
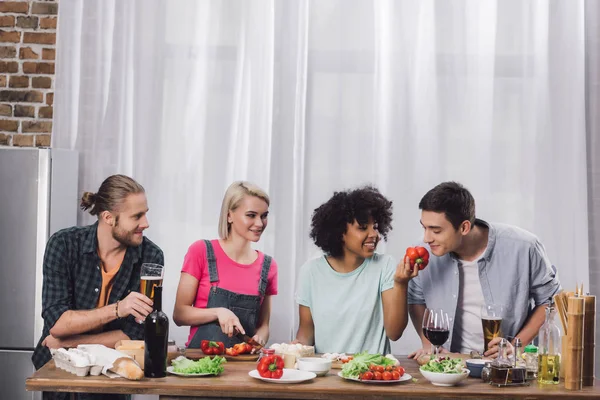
(124, 237)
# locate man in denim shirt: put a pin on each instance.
(474, 263)
(92, 276)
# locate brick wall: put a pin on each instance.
(27, 54)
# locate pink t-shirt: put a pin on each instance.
(233, 276)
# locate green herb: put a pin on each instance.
(444, 365)
(361, 362)
(204, 365)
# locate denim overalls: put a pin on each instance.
(245, 307)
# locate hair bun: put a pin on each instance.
(87, 200)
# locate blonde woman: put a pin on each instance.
(225, 285)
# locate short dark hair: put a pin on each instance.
(329, 221)
(452, 199)
(110, 195)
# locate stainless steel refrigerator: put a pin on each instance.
(38, 196)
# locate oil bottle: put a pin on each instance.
(549, 350)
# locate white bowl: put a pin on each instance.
(318, 365)
(440, 379)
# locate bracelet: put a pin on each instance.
(117, 309)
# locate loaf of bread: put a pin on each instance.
(127, 368)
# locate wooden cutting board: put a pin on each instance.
(195, 354)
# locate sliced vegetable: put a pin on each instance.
(444, 365)
(361, 363)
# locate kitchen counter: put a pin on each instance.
(235, 383)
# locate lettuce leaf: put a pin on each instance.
(444, 365)
(204, 365)
(360, 363)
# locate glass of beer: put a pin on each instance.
(491, 319)
(150, 277)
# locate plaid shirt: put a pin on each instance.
(72, 280)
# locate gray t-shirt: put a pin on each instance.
(514, 271)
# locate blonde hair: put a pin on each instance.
(231, 201)
(110, 195)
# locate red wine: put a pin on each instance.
(426, 333)
(437, 337)
(156, 337)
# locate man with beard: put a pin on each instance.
(91, 282)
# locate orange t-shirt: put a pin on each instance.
(107, 283)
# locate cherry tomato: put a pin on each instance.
(372, 367)
(389, 368)
(400, 370)
(395, 375)
(377, 376)
(387, 376)
(380, 368)
(367, 376)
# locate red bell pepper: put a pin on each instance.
(270, 367)
(418, 256)
(210, 347)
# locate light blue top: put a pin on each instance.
(514, 271)
(346, 307)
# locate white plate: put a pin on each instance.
(289, 376)
(170, 370)
(403, 378)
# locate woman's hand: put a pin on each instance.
(229, 322)
(404, 272)
(426, 350)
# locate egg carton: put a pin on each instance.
(76, 361)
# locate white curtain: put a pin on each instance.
(307, 97)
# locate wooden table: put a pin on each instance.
(235, 383)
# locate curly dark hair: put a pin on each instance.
(329, 220)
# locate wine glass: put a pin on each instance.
(436, 328)
(424, 325)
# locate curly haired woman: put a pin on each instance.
(352, 299)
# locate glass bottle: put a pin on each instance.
(519, 359)
(549, 350)
(531, 361)
(501, 366)
(156, 336)
(264, 353)
(486, 372)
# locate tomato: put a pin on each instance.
(389, 368)
(395, 375)
(367, 376)
(387, 376)
(372, 367)
(377, 376)
(400, 370)
(380, 368)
